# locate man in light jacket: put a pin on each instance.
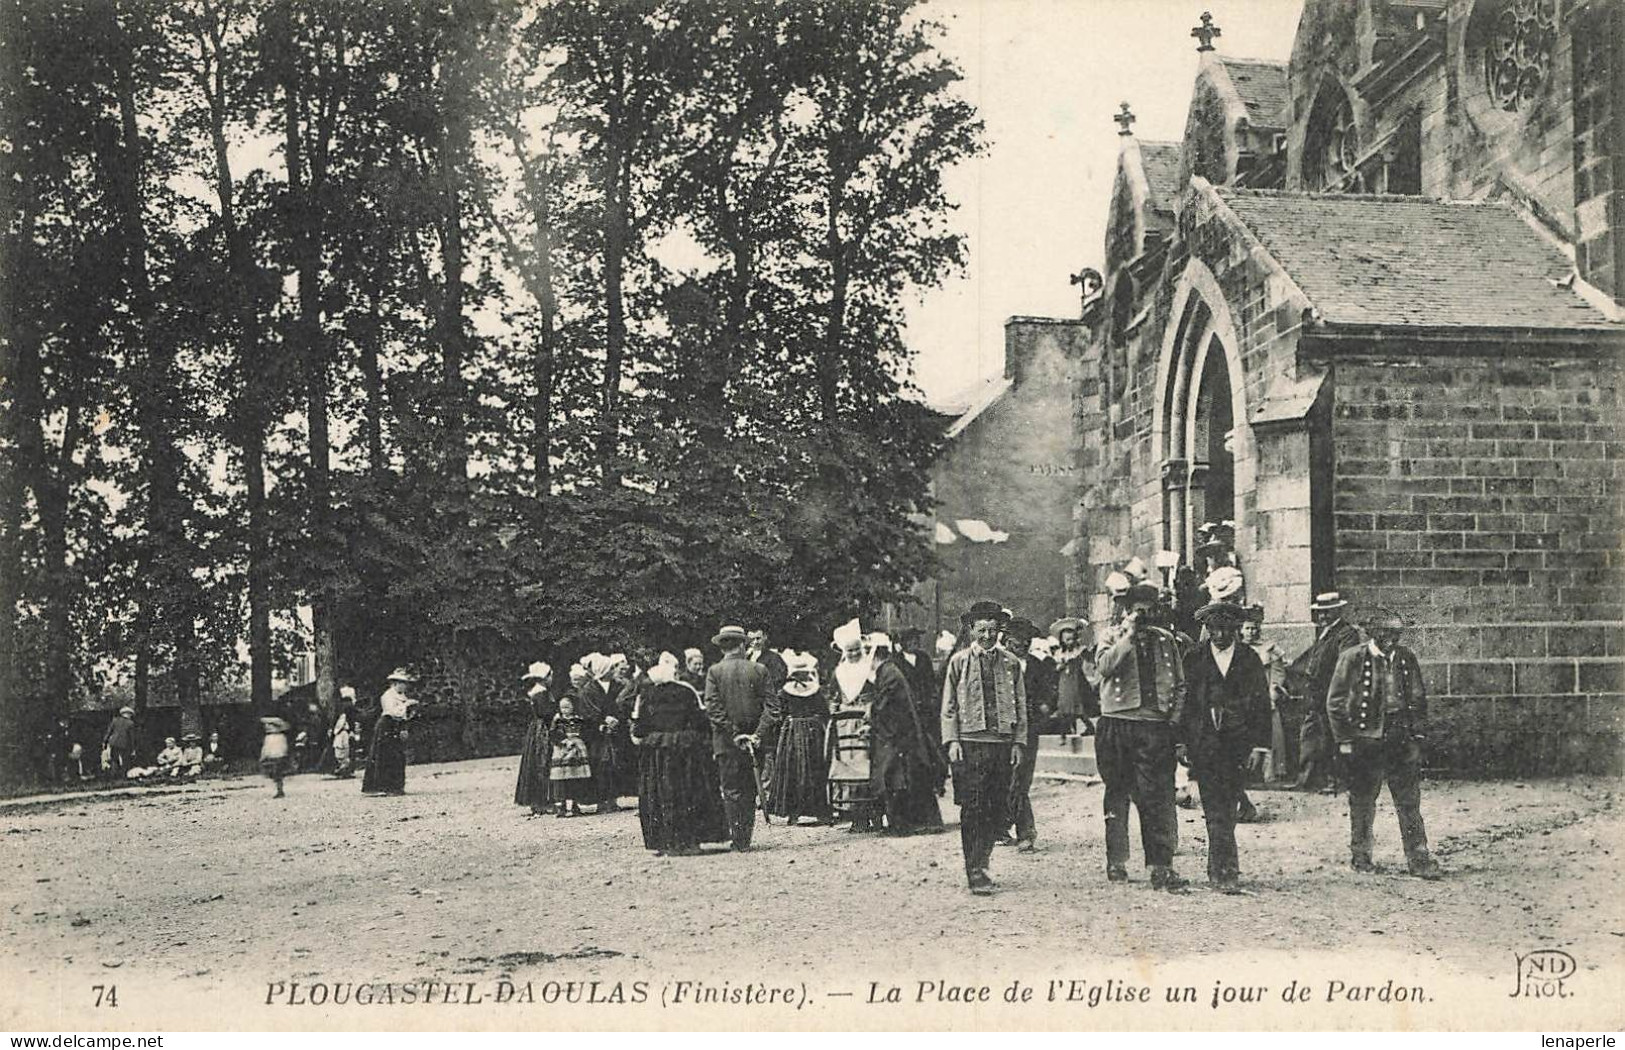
(984, 724)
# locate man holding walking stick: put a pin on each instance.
(741, 702)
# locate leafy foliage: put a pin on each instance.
(483, 327)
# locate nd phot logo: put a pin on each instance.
(1541, 974)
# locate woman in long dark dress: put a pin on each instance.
(533, 789)
(386, 758)
(679, 802)
(799, 787)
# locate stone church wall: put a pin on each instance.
(1481, 498)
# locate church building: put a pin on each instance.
(1367, 313)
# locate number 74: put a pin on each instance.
(106, 994)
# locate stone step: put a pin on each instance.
(1071, 756)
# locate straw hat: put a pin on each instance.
(1224, 582)
(730, 633)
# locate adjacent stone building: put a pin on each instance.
(1006, 482)
(1368, 311)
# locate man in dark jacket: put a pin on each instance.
(923, 812)
(742, 704)
(756, 648)
(1038, 679)
(1376, 707)
(1336, 633)
(899, 754)
(1225, 725)
(120, 742)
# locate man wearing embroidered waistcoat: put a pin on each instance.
(1376, 706)
(984, 724)
(1142, 695)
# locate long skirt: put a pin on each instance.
(532, 788)
(851, 788)
(679, 797)
(800, 771)
(386, 758)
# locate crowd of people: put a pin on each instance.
(871, 734)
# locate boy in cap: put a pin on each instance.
(1224, 727)
(1377, 705)
(984, 724)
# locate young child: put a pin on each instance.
(570, 772)
(191, 756)
(274, 752)
(169, 759)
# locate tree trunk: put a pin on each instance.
(311, 347)
(372, 380)
(831, 360)
(455, 150)
(61, 586)
(16, 198)
(250, 395)
(160, 568)
(542, 439)
(615, 236)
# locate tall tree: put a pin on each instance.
(306, 57)
(221, 34)
(168, 595)
(626, 67)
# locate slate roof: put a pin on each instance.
(1160, 161)
(1262, 87)
(1415, 262)
(967, 407)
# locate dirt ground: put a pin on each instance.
(203, 907)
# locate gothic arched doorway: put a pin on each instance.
(1199, 427)
(1213, 461)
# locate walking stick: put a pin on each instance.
(761, 789)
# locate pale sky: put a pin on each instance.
(1046, 77)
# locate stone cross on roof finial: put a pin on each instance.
(1124, 118)
(1206, 32)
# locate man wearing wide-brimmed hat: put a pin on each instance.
(1335, 634)
(740, 701)
(1377, 708)
(984, 724)
(1224, 726)
(1142, 691)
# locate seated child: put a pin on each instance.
(191, 763)
(169, 759)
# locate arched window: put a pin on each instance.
(1331, 143)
